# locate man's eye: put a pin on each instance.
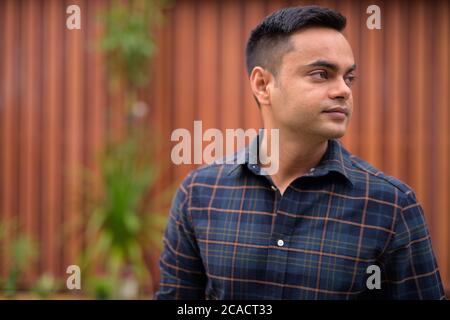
(320, 75)
(349, 80)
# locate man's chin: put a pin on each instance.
(334, 134)
(324, 133)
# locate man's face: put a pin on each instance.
(312, 79)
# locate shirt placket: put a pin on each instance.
(283, 229)
(277, 263)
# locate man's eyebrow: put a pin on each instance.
(352, 68)
(329, 65)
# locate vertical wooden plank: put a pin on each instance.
(3, 63)
(158, 125)
(168, 124)
(371, 68)
(7, 123)
(306, 3)
(417, 110)
(73, 133)
(94, 111)
(394, 25)
(405, 88)
(28, 206)
(184, 75)
(275, 5)
(441, 236)
(207, 67)
(160, 105)
(2, 87)
(97, 90)
(230, 76)
(51, 133)
(160, 100)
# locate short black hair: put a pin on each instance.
(269, 41)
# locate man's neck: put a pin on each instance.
(297, 156)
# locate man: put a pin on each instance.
(326, 225)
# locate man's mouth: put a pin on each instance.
(337, 113)
(337, 110)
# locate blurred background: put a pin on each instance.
(86, 116)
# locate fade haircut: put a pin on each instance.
(269, 41)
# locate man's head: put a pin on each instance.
(301, 66)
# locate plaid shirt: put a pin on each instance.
(232, 235)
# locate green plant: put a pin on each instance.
(21, 252)
(122, 226)
(127, 40)
(119, 225)
(45, 286)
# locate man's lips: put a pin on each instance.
(337, 110)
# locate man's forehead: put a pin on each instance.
(325, 44)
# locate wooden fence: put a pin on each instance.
(55, 109)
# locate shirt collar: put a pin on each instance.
(335, 159)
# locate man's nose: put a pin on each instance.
(340, 90)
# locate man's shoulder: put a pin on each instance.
(361, 169)
(214, 173)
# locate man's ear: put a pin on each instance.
(260, 81)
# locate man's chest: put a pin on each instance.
(302, 240)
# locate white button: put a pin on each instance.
(274, 188)
(280, 243)
(312, 170)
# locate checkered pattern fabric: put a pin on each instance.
(232, 235)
